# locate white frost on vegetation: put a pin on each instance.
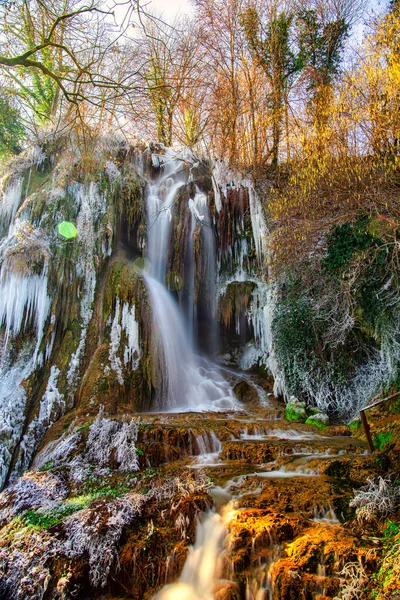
(112, 172)
(33, 490)
(107, 442)
(58, 451)
(353, 581)
(106, 436)
(92, 533)
(380, 498)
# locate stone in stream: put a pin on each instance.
(245, 392)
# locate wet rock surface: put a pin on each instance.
(82, 524)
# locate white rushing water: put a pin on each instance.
(188, 382)
(203, 565)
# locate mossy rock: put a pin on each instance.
(319, 420)
(295, 411)
(121, 282)
(100, 385)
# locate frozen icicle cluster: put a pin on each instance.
(125, 322)
(10, 201)
(24, 256)
(12, 405)
(92, 206)
(131, 327)
(115, 340)
(258, 223)
(23, 299)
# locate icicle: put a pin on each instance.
(131, 328)
(10, 202)
(23, 296)
(258, 223)
(115, 340)
(51, 407)
(12, 405)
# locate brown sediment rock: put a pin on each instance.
(226, 590)
(245, 392)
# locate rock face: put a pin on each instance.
(75, 316)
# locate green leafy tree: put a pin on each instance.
(321, 47)
(269, 40)
(11, 128)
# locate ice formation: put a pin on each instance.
(23, 299)
(51, 407)
(12, 405)
(124, 321)
(92, 206)
(258, 223)
(131, 327)
(115, 340)
(10, 202)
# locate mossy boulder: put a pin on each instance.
(319, 420)
(295, 410)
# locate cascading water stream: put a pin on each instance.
(203, 566)
(188, 383)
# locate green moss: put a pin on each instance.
(94, 487)
(391, 530)
(354, 425)
(381, 439)
(40, 519)
(83, 427)
(293, 412)
(316, 422)
(47, 466)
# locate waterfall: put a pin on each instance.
(188, 382)
(203, 564)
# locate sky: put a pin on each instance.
(169, 7)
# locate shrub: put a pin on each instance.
(379, 498)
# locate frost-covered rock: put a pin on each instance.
(97, 532)
(106, 437)
(108, 443)
(33, 490)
